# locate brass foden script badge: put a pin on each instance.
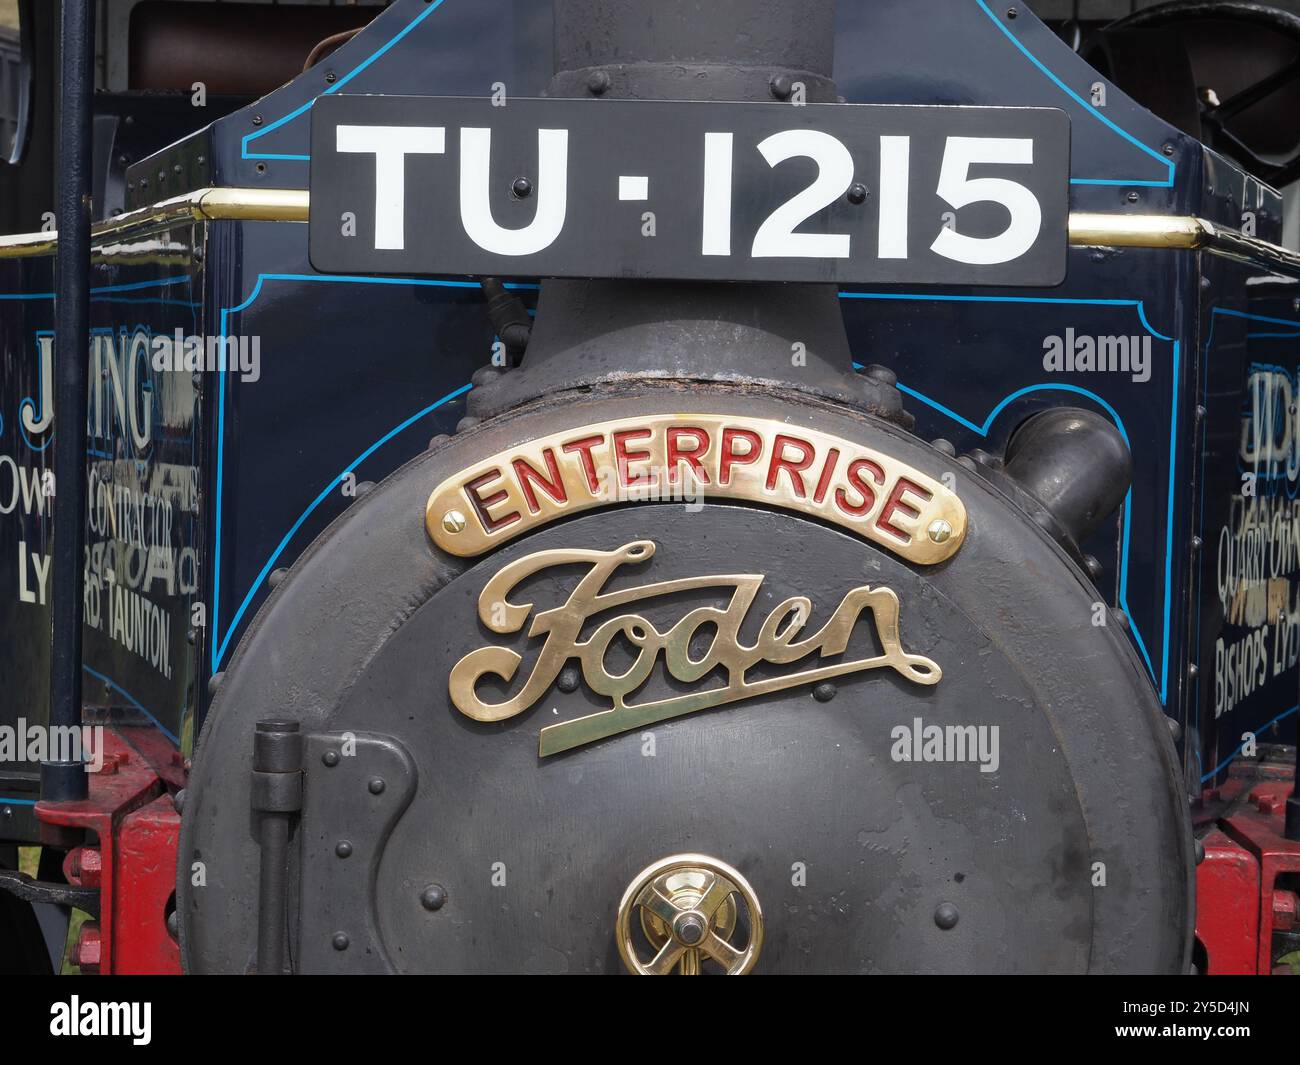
(778, 643)
(689, 456)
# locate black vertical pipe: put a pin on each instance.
(1292, 830)
(66, 780)
(276, 799)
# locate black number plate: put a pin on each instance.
(846, 193)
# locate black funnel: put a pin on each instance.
(589, 333)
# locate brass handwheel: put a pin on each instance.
(689, 906)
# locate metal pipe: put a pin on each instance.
(276, 800)
(66, 780)
(1292, 823)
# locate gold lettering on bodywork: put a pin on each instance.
(778, 643)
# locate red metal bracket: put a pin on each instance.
(1227, 906)
(131, 858)
(1239, 901)
(1258, 826)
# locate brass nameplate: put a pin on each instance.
(778, 643)
(693, 457)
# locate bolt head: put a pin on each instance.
(939, 531)
(343, 849)
(946, 915)
(433, 897)
(330, 758)
(454, 521)
(341, 941)
(376, 786)
(857, 193)
(689, 929)
(521, 188)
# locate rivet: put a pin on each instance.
(257, 120)
(946, 915)
(1132, 197)
(824, 692)
(1192, 671)
(433, 897)
(1197, 543)
(568, 681)
(376, 786)
(330, 76)
(330, 758)
(1167, 148)
(598, 83)
(1012, 13)
(521, 188)
(781, 86)
(343, 849)
(341, 941)
(453, 521)
(939, 531)
(857, 193)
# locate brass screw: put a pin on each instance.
(939, 531)
(453, 521)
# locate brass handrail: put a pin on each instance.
(1174, 232)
